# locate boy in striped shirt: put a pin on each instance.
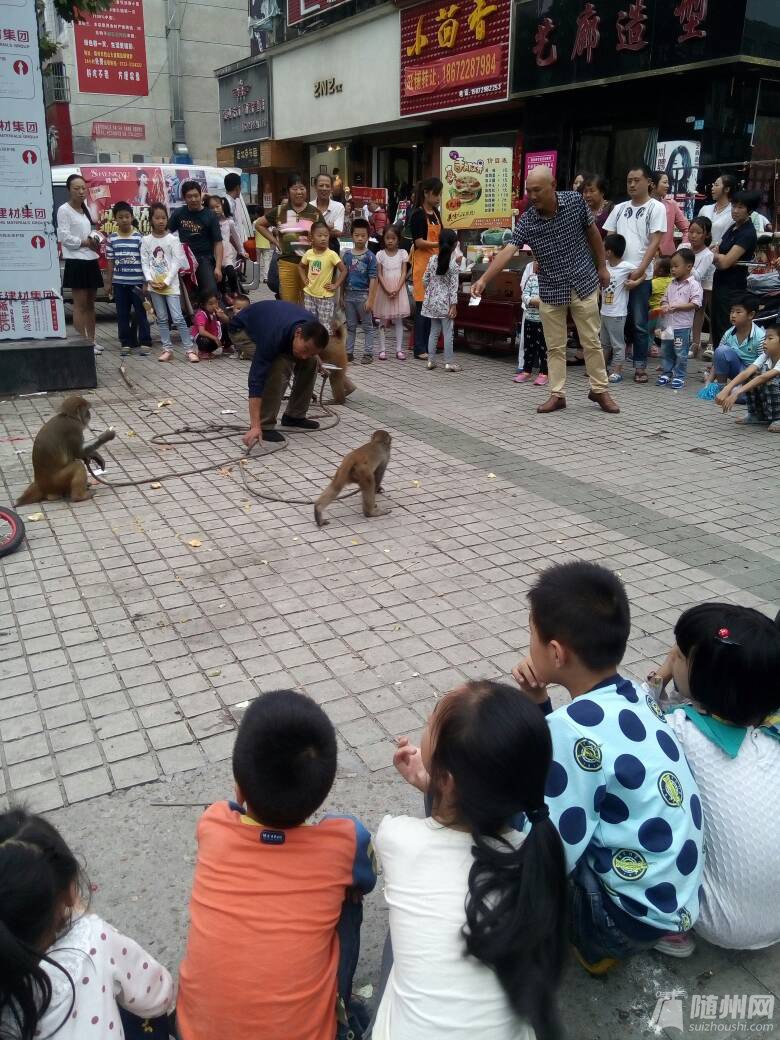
(126, 282)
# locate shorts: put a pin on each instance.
(322, 308)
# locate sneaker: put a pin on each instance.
(382, 356)
(708, 354)
(272, 436)
(615, 377)
(774, 427)
(431, 365)
(367, 359)
(228, 351)
(452, 367)
(678, 384)
(676, 944)
(167, 355)
(300, 424)
(144, 349)
(541, 380)
(663, 381)
(691, 355)
(522, 377)
(123, 351)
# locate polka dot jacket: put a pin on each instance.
(107, 969)
(622, 795)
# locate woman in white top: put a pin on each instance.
(719, 213)
(63, 972)
(476, 909)
(726, 662)
(80, 243)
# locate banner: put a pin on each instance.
(454, 56)
(298, 10)
(534, 159)
(111, 51)
(118, 131)
(361, 196)
(680, 161)
(477, 187)
(30, 288)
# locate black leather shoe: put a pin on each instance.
(300, 424)
(273, 436)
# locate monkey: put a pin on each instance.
(59, 454)
(364, 466)
(335, 353)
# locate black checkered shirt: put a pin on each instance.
(560, 244)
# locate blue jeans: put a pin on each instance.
(163, 306)
(592, 929)
(727, 363)
(422, 331)
(355, 306)
(675, 353)
(638, 307)
(129, 300)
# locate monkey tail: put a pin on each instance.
(32, 494)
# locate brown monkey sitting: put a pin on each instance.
(59, 453)
(365, 467)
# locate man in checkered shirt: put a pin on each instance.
(559, 228)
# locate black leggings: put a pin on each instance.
(534, 347)
(230, 280)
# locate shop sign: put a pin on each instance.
(361, 196)
(119, 131)
(571, 41)
(111, 51)
(30, 294)
(327, 87)
(534, 159)
(299, 10)
(247, 156)
(477, 187)
(244, 105)
(454, 54)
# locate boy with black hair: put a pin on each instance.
(614, 305)
(741, 344)
(125, 281)
(760, 383)
(680, 302)
(619, 790)
(276, 902)
(360, 290)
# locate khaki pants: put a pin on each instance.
(587, 319)
(286, 367)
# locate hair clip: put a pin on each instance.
(724, 636)
(723, 633)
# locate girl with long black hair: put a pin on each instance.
(477, 910)
(425, 228)
(63, 972)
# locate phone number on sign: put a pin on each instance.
(454, 72)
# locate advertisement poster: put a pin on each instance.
(30, 290)
(141, 187)
(299, 10)
(534, 159)
(680, 161)
(111, 51)
(477, 187)
(118, 131)
(361, 196)
(454, 56)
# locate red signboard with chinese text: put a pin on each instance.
(111, 51)
(361, 195)
(118, 131)
(454, 54)
(298, 10)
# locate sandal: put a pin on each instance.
(193, 357)
(400, 355)
(167, 355)
(640, 376)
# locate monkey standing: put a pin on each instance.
(365, 467)
(59, 454)
(341, 386)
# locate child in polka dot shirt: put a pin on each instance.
(88, 971)
(619, 789)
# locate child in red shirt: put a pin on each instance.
(276, 907)
(207, 328)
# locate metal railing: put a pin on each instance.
(56, 85)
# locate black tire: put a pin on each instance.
(10, 541)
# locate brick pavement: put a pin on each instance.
(127, 654)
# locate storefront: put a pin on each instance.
(659, 81)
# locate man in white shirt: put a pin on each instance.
(332, 212)
(642, 222)
(238, 209)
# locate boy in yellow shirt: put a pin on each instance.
(316, 271)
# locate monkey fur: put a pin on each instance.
(365, 466)
(59, 454)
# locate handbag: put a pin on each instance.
(272, 278)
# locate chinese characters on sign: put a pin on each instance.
(741, 1006)
(244, 104)
(118, 131)
(477, 187)
(111, 51)
(454, 54)
(30, 296)
(534, 159)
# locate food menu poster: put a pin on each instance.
(477, 188)
(30, 287)
(111, 51)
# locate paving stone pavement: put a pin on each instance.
(128, 652)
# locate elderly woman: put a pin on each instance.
(675, 218)
(287, 228)
(594, 191)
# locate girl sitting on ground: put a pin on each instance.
(63, 970)
(725, 662)
(477, 910)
